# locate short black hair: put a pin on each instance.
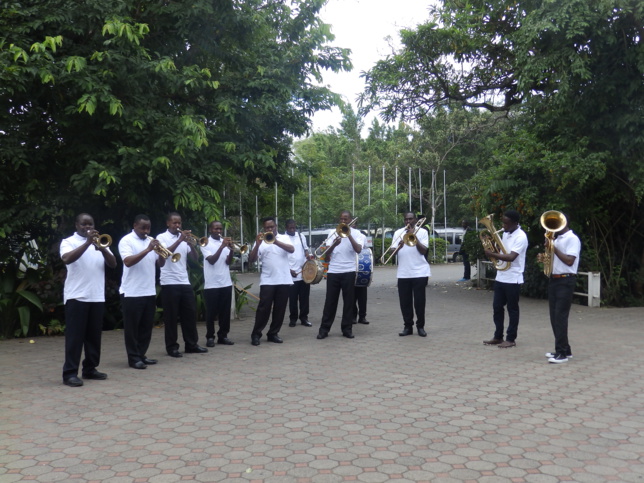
(514, 215)
(138, 218)
(213, 222)
(290, 221)
(80, 215)
(347, 212)
(171, 214)
(267, 218)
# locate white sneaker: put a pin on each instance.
(551, 355)
(558, 359)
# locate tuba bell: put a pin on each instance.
(553, 222)
(492, 242)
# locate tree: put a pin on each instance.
(121, 107)
(568, 75)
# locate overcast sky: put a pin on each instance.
(364, 26)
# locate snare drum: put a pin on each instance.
(364, 268)
(312, 271)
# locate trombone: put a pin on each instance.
(341, 231)
(102, 241)
(164, 252)
(409, 239)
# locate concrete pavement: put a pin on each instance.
(377, 408)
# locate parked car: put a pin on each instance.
(454, 238)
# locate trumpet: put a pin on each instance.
(267, 237)
(553, 222)
(341, 231)
(102, 241)
(194, 240)
(237, 248)
(492, 242)
(409, 239)
(165, 253)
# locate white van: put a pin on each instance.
(454, 238)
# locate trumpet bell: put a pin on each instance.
(267, 237)
(103, 241)
(175, 257)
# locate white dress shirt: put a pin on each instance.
(412, 263)
(175, 273)
(85, 279)
(569, 244)
(298, 257)
(139, 279)
(516, 242)
(275, 264)
(343, 258)
(216, 275)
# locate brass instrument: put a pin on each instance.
(267, 237)
(408, 239)
(553, 222)
(165, 253)
(102, 241)
(493, 243)
(195, 240)
(237, 248)
(341, 231)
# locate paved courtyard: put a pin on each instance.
(377, 408)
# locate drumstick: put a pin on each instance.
(252, 295)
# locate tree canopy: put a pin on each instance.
(120, 107)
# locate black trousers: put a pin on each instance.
(336, 283)
(272, 301)
(138, 320)
(411, 293)
(299, 295)
(218, 302)
(360, 307)
(506, 294)
(467, 268)
(560, 292)
(179, 306)
(83, 329)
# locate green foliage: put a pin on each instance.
(436, 250)
(17, 302)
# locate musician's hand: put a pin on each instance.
(489, 253)
(153, 244)
(337, 241)
(293, 273)
(540, 257)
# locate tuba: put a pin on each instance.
(553, 222)
(493, 243)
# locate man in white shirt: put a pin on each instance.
(341, 277)
(218, 286)
(84, 299)
(413, 274)
(561, 288)
(177, 296)
(138, 290)
(507, 285)
(274, 281)
(300, 290)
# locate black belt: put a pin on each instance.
(562, 275)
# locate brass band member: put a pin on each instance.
(218, 286)
(341, 277)
(561, 287)
(272, 250)
(413, 274)
(138, 290)
(177, 296)
(507, 285)
(84, 299)
(300, 291)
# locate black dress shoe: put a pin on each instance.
(421, 332)
(197, 350)
(292, 323)
(138, 365)
(175, 354)
(348, 335)
(322, 335)
(274, 338)
(149, 362)
(254, 340)
(363, 321)
(225, 341)
(306, 323)
(73, 382)
(354, 321)
(406, 331)
(210, 342)
(99, 376)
